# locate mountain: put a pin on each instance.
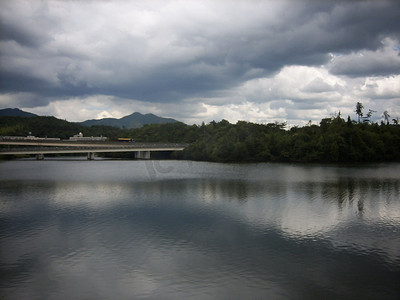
(134, 120)
(15, 112)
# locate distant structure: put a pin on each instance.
(81, 138)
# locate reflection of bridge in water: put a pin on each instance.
(40, 148)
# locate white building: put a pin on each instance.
(80, 137)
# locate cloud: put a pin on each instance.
(383, 88)
(22, 22)
(296, 91)
(381, 62)
(164, 54)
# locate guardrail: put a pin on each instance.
(36, 147)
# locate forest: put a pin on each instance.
(334, 140)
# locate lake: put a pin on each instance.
(118, 229)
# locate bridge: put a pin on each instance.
(42, 147)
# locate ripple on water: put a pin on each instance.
(201, 231)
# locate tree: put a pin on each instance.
(386, 116)
(359, 111)
(369, 115)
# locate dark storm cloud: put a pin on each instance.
(359, 66)
(355, 25)
(385, 61)
(26, 24)
(20, 34)
(60, 49)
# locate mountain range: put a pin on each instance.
(135, 120)
(15, 112)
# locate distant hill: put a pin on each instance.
(52, 127)
(135, 120)
(15, 112)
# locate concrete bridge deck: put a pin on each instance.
(39, 148)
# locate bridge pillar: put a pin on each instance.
(142, 154)
(40, 156)
(90, 156)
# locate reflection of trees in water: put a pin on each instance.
(351, 186)
(204, 189)
(360, 194)
(232, 190)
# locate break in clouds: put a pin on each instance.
(260, 61)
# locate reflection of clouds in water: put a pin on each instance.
(332, 211)
(138, 283)
(217, 191)
(103, 273)
(153, 264)
(88, 195)
(307, 208)
(164, 250)
(300, 208)
(147, 237)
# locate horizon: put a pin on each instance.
(288, 125)
(257, 61)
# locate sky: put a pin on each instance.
(198, 61)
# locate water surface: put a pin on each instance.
(76, 229)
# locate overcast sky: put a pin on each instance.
(259, 61)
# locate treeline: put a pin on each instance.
(333, 140)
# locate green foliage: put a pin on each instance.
(334, 140)
(359, 110)
(168, 133)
